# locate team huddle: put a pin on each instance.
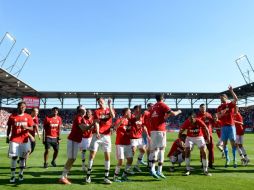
(136, 133)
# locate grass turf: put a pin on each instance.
(36, 177)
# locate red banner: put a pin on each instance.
(31, 102)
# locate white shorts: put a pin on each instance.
(104, 141)
(176, 159)
(72, 149)
(123, 151)
(85, 143)
(19, 149)
(137, 143)
(190, 141)
(239, 139)
(158, 139)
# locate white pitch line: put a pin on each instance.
(4, 147)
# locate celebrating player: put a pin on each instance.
(86, 139)
(103, 121)
(123, 145)
(51, 135)
(19, 146)
(80, 124)
(226, 115)
(216, 124)
(239, 136)
(194, 128)
(159, 112)
(34, 115)
(137, 127)
(207, 118)
(176, 154)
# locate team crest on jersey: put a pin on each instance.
(155, 114)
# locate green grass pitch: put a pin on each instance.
(36, 177)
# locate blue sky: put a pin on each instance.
(131, 45)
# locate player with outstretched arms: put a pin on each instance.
(159, 113)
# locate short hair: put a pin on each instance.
(201, 105)
(137, 106)
(149, 105)
(192, 114)
(224, 95)
(79, 108)
(33, 109)
(183, 136)
(20, 103)
(124, 111)
(159, 97)
(97, 99)
(55, 108)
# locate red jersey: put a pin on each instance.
(105, 120)
(228, 117)
(147, 121)
(36, 122)
(207, 119)
(88, 133)
(52, 126)
(194, 129)
(158, 112)
(18, 133)
(76, 133)
(217, 126)
(137, 126)
(122, 134)
(239, 127)
(176, 148)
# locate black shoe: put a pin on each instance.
(53, 163)
(21, 178)
(45, 165)
(211, 167)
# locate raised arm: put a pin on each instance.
(230, 88)
(111, 110)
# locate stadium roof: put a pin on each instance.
(244, 91)
(127, 95)
(12, 87)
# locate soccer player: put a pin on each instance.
(226, 115)
(80, 124)
(176, 154)
(194, 127)
(103, 121)
(159, 112)
(123, 145)
(19, 146)
(34, 115)
(51, 135)
(147, 123)
(239, 136)
(207, 118)
(86, 139)
(216, 124)
(137, 127)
